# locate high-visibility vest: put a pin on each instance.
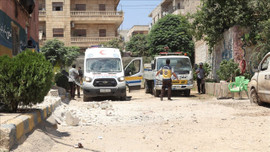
(166, 72)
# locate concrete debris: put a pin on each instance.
(71, 120)
(100, 137)
(110, 112)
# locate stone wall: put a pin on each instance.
(201, 52)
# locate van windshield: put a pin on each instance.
(103, 65)
(179, 65)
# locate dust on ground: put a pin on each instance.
(196, 123)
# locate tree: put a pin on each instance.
(138, 45)
(172, 31)
(56, 52)
(115, 43)
(216, 16)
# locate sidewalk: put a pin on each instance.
(14, 126)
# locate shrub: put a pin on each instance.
(24, 79)
(228, 70)
(61, 81)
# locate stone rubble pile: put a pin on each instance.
(85, 114)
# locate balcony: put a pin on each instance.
(42, 15)
(97, 16)
(88, 41)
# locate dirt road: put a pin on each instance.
(197, 123)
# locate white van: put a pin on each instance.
(103, 74)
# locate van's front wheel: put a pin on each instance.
(187, 93)
(254, 97)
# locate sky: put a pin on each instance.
(136, 12)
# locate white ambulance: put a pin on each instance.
(103, 74)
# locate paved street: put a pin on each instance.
(197, 123)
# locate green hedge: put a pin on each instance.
(24, 79)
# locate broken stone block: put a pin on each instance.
(72, 121)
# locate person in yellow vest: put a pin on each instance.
(167, 73)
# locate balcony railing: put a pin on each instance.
(88, 41)
(42, 13)
(95, 13)
(91, 39)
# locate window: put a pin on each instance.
(102, 7)
(265, 64)
(181, 5)
(57, 6)
(102, 33)
(58, 32)
(103, 65)
(80, 7)
(133, 68)
(41, 7)
(80, 32)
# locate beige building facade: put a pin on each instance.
(137, 29)
(81, 23)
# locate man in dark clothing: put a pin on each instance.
(200, 79)
(166, 79)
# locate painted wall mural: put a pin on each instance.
(6, 38)
(227, 51)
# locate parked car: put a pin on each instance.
(259, 85)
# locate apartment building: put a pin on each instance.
(18, 26)
(79, 23)
(137, 29)
(182, 7)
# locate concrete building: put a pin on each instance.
(79, 23)
(18, 25)
(123, 34)
(137, 29)
(182, 7)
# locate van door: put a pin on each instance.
(264, 80)
(134, 73)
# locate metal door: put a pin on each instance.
(134, 73)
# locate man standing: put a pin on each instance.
(200, 79)
(73, 75)
(167, 73)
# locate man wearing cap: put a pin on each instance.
(200, 79)
(167, 73)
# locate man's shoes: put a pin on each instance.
(161, 99)
(170, 99)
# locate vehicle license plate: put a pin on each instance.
(105, 90)
(175, 82)
(183, 81)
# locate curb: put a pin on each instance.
(15, 129)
